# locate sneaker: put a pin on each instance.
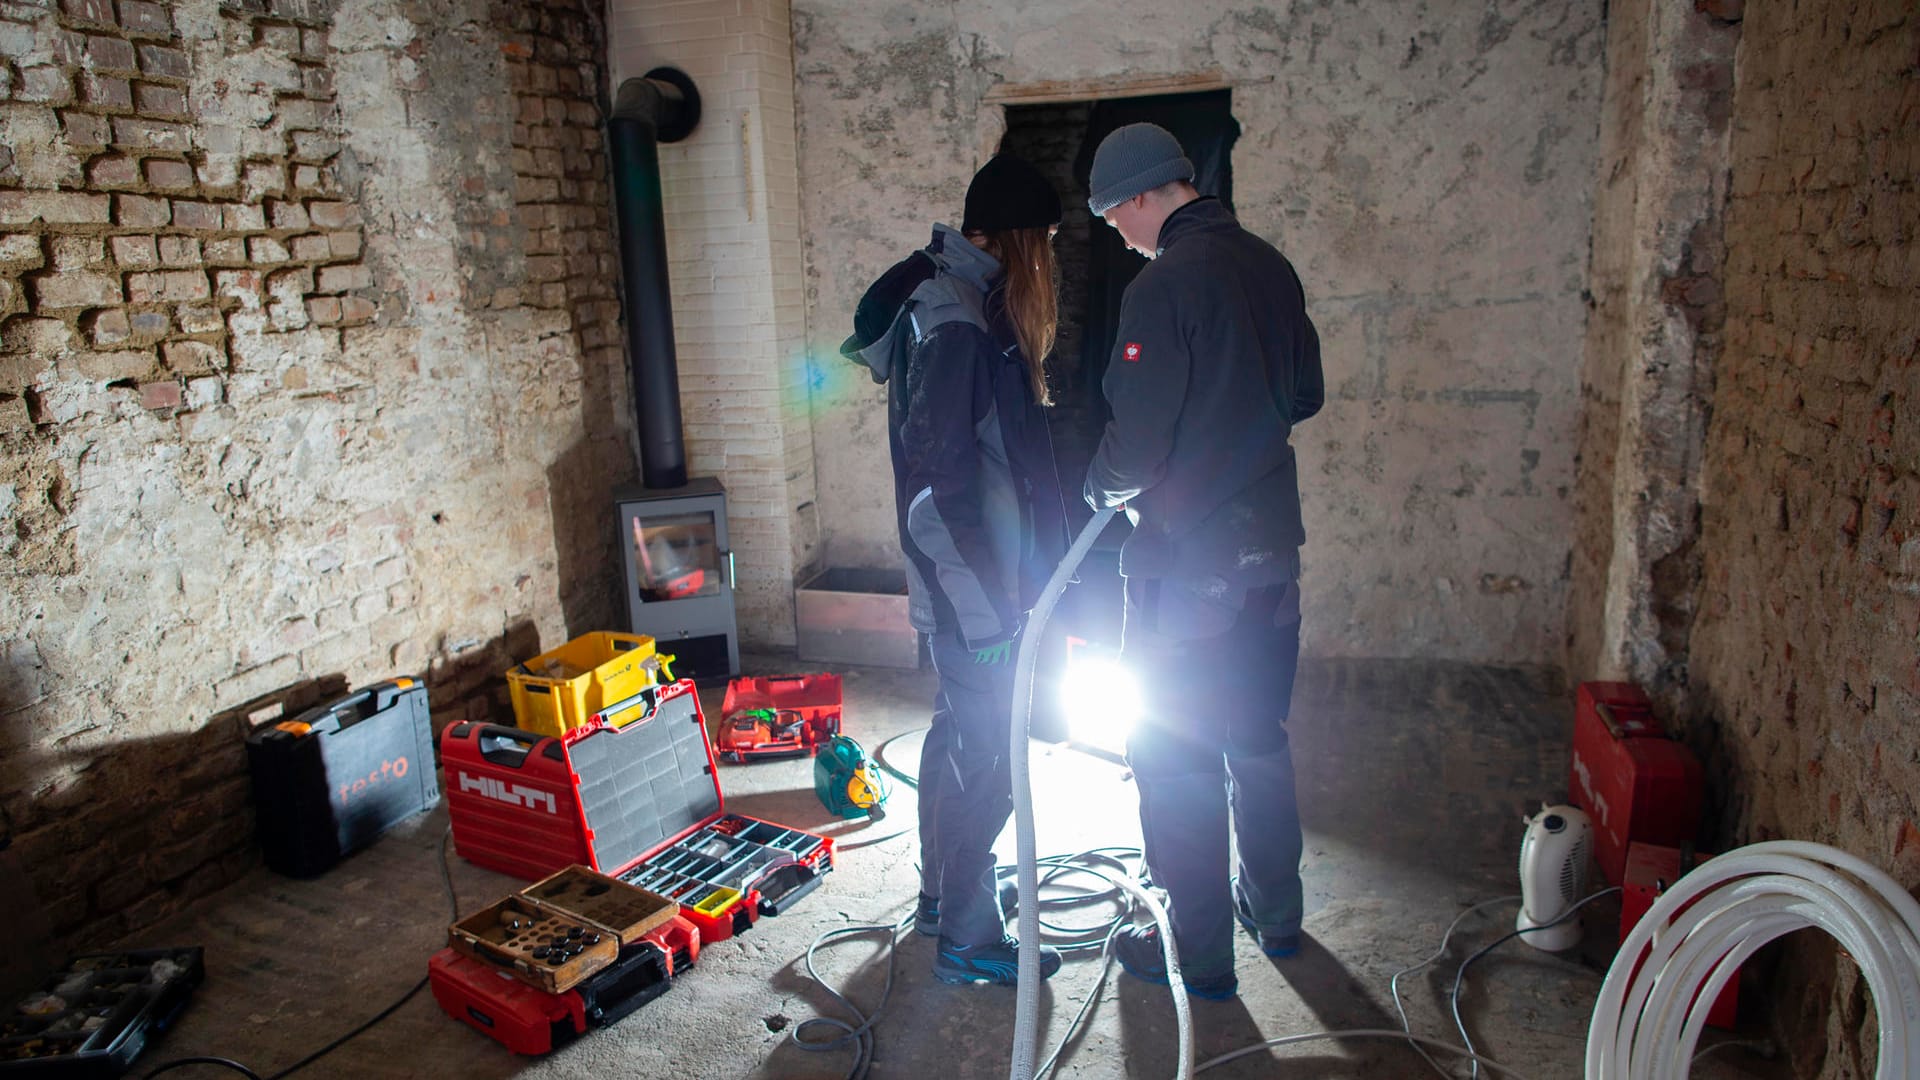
(1274, 945)
(996, 962)
(1138, 950)
(926, 916)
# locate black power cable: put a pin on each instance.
(453, 902)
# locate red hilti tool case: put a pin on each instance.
(1652, 869)
(490, 999)
(1635, 782)
(634, 794)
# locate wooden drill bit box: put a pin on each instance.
(558, 931)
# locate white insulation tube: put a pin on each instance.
(1672, 967)
(1026, 1016)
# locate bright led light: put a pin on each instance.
(1101, 700)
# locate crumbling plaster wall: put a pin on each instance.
(1658, 315)
(310, 368)
(1427, 168)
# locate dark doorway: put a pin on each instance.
(1095, 268)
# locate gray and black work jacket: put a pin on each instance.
(981, 518)
(1215, 362)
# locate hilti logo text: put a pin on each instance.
(388, 770)
(1594, 799)
(517, 794)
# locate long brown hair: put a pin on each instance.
(1033, 306)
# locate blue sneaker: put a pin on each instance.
(1138, 950)
(926, 914)
(995, 962)
(1274, 945)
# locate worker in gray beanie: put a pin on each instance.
(1133, 159)
(1214, 362)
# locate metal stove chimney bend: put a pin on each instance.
(662, 106)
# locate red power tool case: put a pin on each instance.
(1652, 869)
(527, 1020)
(808, 708)
(1631, 779)
(634, 794)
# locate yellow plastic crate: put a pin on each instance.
(557, 691)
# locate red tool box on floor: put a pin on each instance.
(490, 999)
(1652, 869)
(1634, 781)
(634, 794)
(778, 715)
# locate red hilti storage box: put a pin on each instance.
(634, 794)
(1651, 871)
(491, 1000)
(1630, 778)
(776, 715)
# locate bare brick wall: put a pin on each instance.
(1806, 654)
(311, 373)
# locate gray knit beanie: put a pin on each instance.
(1133, 159)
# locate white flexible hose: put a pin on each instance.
(1672, 967)
(1026, 1016)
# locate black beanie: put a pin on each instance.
(1007, 193)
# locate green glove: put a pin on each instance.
(994, 654)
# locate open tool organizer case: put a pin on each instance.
(621, 947)
(94, 1017)
(634, 794)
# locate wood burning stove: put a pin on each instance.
(679, 572)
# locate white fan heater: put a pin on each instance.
(1553, 875)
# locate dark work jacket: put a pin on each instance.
(1215, 362)
(978, 500)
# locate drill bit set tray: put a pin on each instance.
(634, 794)
(556, 933)
(710, 870)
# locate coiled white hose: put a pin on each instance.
(1026, 1016)
(1674, 964)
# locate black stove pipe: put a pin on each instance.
(662, 106)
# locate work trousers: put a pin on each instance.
(966, 791)
(1213, 744)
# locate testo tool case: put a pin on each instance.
(330, 780)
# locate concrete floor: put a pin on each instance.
(1413, 780)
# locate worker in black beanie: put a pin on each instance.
(960, 332)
